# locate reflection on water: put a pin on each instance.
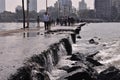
(35, 34)
(11, 26)
(30, 34)
(46, 35)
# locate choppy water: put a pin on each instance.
(17, 47)
(108, 36)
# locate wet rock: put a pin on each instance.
(92, 41)
(73, 68)
(111, 73)
(23, 73)
(41, 34)
(80, 76)
(65, 68)
(77, 57)
(81, 72)
(82, 24)
(77, 31)
(104, 45)
(40, 75)
(79, 37)
(93, 62)
(73, 37)
(92, 55)
(67, 46)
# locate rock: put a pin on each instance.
(67, 46)
(77, 31)
(79, 37)
(92, 55)
(111, 73)
(104, 45)
(93, 62)
(73, 68)
(80, 76)
(77, 57)
(80, 73)
(65, 68)
(82, 24)
(92, 41)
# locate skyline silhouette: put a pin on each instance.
(11, 7)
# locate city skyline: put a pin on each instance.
(11, 7)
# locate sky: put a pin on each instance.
(11, 4)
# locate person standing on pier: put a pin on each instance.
(46, 19)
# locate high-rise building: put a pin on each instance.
(2, 5)
(116, 3)
(65, 7)
(33, 5)
(82, 5)
(103, 8)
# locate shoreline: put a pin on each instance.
(12, 49)
(59, 62)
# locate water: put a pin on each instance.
(108, 36)
(12, 26)
(15, 48)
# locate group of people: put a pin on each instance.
(66, 21)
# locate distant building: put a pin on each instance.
(82, 5)
(103, 9)
(65, 7)
(2, 6)
(33, 5)
(18, 8)
(116, 3)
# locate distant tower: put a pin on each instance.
(33, 5)
(82, 5)
(116, 3)
(65, 7)
(2, 6)
(103, 8)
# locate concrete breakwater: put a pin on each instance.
(41, 66)
(35, 66)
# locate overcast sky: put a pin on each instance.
(11, 4)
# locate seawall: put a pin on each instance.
(39, 66)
